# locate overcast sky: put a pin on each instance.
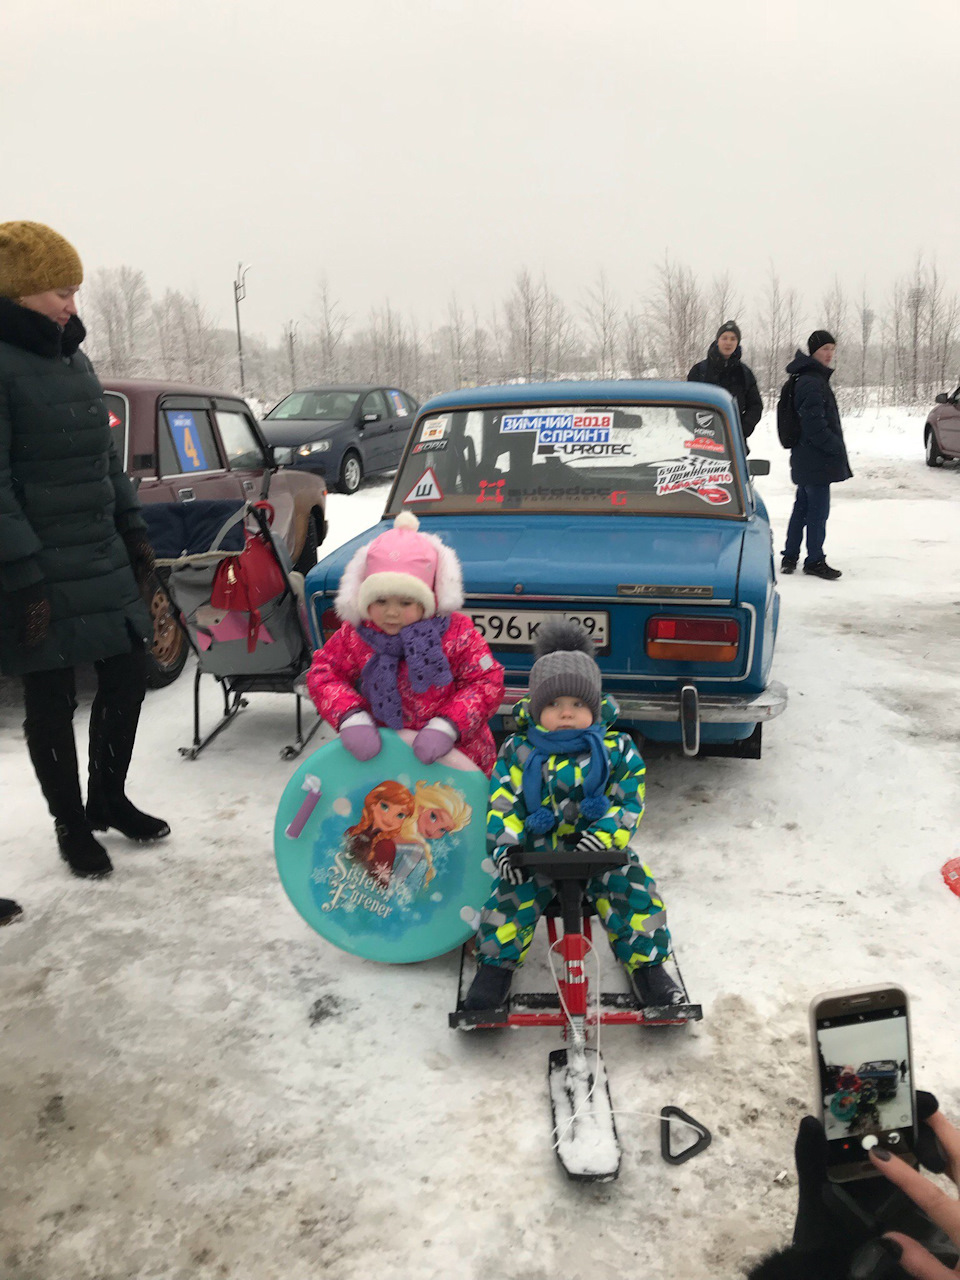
(408, 148)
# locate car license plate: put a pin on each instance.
(517, 628)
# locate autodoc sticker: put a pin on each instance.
(427, 489)
(703, 442)
(698, 474)
(434, 429)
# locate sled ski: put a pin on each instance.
(584, 1130)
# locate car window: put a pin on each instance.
(412, 405)
(187, 443)
(656, 459)
(374, 402)
(324, 406)
(397, 404)
(240, 444)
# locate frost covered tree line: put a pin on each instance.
(900, 349)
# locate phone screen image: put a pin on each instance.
(865, 1082)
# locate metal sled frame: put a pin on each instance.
(236, 688)
(584, 1127)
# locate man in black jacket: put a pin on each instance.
(724, 368)
(819, 459)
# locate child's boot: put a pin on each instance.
(490, 988)
(653, 986)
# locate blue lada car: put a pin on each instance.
(627, 505)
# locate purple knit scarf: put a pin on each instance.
(421, 644)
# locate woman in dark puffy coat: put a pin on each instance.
(73, 550)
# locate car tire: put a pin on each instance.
(933, 454)
(307, 559)
(167, 656)
(351, 472)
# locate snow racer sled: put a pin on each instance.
(585, 1133)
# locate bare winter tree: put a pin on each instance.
(524, 312)
(117, 305)
(634, 345)
(331, 323)
(479, 351)
(678, 319)
(457, 331)
(724, 302)
(773, 333)
(560, 335)
(602, 311)
(865, 318)
(942, 318)
(834, 309)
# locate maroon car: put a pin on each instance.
(180, 444)
(941, 432)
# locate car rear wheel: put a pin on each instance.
(934, 456)
(168, 653)
(308, 556)
(351, 472)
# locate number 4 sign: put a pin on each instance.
(426, 489)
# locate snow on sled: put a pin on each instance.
(584, 1130)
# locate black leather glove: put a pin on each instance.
(142, 560)
(34, 610)
(835, 1221)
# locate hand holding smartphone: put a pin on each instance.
(864, 1077)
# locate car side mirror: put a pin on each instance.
(758, 466)
(369, 417)
(943, 398)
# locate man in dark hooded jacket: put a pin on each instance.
(725, 368)
(819, 459)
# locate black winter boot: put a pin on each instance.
(787, 564)
(653, 986)
(50, 703)
(490, 988)
(820, 569)
(9, 911)
(113, 731)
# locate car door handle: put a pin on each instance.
(186, 495)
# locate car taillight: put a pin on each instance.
(693, 639)
(329, 623)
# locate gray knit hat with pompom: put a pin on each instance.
(564, 667)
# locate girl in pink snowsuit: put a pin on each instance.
(403, 657)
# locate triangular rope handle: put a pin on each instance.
(701, 1144)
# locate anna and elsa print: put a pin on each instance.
(400, 833)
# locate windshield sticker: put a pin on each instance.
(704, 419)
(692, 473)
(584, 450)
(716, 496)
(399, 407)
(495, 493)
(426, 489)
(429, 446)
(702, 442)
(618, 498)
(561, 428)
(434, 429)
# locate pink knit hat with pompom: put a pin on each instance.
(401, 562)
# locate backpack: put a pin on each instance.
(243, 583)
(788, 420)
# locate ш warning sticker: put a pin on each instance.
(427, 489)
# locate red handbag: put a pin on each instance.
(244, 582)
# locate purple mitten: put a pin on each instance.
(434, 740)
(360, 736)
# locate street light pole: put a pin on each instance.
(239, 293)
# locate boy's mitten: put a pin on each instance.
(34, 609)
(142, 560)
(434, 740)
(360, 735)
(507, 871)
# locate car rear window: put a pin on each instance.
(664, 459)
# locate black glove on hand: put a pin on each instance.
(34, 610)
(507, 871)
(142, 560)
(835, 1220)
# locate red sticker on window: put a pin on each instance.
(495, 493)
(714, 495)
(701, 442)
(113, 420)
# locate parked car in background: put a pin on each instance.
(341, 433)
(941, 431)
(884, 1073)
(181, 443)
(629, 506)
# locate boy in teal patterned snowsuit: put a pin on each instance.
(568, 778)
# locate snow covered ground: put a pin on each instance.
(193, 1084)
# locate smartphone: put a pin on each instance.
(864, 1077)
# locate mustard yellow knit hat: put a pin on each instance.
(34, 258)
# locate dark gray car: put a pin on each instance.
(341, 433)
